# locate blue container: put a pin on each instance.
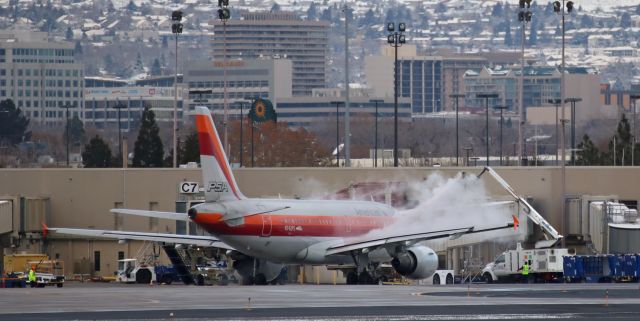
(630, 265)
(569, 267)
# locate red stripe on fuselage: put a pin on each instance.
(294, 225)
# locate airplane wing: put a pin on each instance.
(167, 215)
(198, 240)
(359, 243)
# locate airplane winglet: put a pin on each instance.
(515, 222)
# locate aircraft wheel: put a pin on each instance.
(352, 278)
(200, 280)
(436, 279)
(261, 279)
(143, 276)
(247, 280)
(365, 278)
(223, 279)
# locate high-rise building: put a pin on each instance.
(277, 35)
(41, 77)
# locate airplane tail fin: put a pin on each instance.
(218, 180)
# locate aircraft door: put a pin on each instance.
(266, 225)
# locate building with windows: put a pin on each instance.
(277, 35)
(427, 80)
(541, 85)
(245, 80)
(100, 103)
(305, 111)
(43, 78)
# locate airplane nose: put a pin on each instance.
(192, 213)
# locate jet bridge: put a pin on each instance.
(552, 236)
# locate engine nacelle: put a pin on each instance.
(417, 262)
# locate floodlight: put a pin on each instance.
(390, 27)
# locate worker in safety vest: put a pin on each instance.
(525, 271)
(32, 276)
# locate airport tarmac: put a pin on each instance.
(92, 301)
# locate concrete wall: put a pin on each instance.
(82, 197)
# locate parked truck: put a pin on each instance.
(545, 265)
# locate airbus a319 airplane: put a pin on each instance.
(284, 231)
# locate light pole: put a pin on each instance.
(176, 28)
(573, 102)
(395, 39)
(118, 107)
(456, 97)
(375, 136)
(347, 115)
(224, 15)
(634, 98)
(337, 131)
(486, 104)
(524, 16)
(556, 102)
(501, 108)
(559, 8)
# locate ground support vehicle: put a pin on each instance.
(545, 265)
(48, 272)
(440, 277)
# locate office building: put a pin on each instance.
(427, 80)
(40, 76)
(278, 35)
(246, 79)
(100, 105)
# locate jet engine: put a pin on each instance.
(257, 271)
(417, 262)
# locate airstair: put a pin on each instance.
(181, 261)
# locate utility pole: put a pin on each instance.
(375, 136)
(486, 99)
(456, 97)
(176, 28)
(347, 116)
(395, 39)
(524, 16)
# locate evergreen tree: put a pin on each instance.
(97, 154)
(13, 124)
(156, 69)
(139, 67)
(497, 10)
(620, 144)
(76, 131)
(69, 34)
(132, 6)
(275, 7)
(588, 154)
(312, 12)
(190, 151)
(148, 149)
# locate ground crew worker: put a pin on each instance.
(32, 276)
(525, 271)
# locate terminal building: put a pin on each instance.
(42, 77)
(82, 198)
